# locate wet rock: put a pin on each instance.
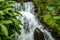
(38, 35)
(53, 31)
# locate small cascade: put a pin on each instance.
(30, 22)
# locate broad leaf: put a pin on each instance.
(2, 0)
(4, 29)
(1, 13)
(51, 7)
(17, 23)
(11, 36)
(6, 21)
(58, 2)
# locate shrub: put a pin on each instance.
(9, 24)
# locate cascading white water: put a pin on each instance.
(30, 22)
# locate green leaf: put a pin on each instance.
(51, 7)
(58, 2)
(2, 0)
(4, 29)
(1, 13)
(6, 12)
(10, 5)
(8, 9)
(6, 21)
(17, 12)
(57, 17)
(2, 17)
(49, 20)
(17, 23)
(11, 36)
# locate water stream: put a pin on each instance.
(30, 22)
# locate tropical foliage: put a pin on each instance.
(9, 24)
(49, 11)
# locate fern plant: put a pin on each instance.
(9, 24)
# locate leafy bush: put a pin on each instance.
(49, 10)
(9, 24)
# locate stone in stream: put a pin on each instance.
(38, 35)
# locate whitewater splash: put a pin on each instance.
(30, 22)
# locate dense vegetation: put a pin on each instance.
(9, 24)
(49, 11)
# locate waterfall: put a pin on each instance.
(30, 22)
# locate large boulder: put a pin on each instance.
(38, 35)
